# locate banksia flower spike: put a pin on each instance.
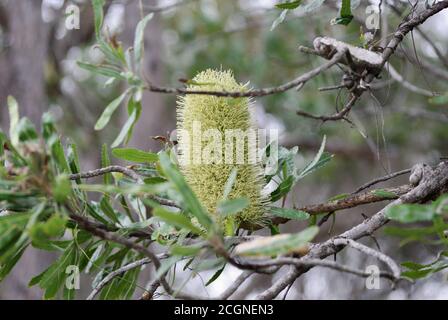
(210, 132)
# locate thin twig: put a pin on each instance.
(381, 179)
(253, 92)
(85, 224)
(393, 266)
(433, 182)
(406, 84)
(98, 172)
(310, 262)
(116, 273)
(337, 116)
(126, 171)
(235, 285)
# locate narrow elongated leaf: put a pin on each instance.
(289, 213)
(229, 183)
(98, 16)
(105, 162)
(109, 111)
(278, 244)
(52, 279)
(279, 19)
(188, 196)
(166, 265)
(176, 219)
(135, 155)
(101, 70)
(185, 250)
(215, 276)
(13, 108)
(289, 5)
(229, 207)
(125, 130)
(345, 14)
(139, 40)
(319, 160)
(282, 189)
(57, 151)
(26, 130)
(408, 213)
(385, 194)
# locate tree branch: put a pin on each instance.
(253, 92)
(433, 182)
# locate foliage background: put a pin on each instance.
(39, 68)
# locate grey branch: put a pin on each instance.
(433, 183)
(371, 252)
(299, 81)
(102, 171)
(235, 285)
(312, 262)
(409, 23)
(381, 179)
(127, 172)
(406, 84)
(116, 273)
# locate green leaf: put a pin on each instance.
(98, 16)
(61, 188)
(6, 267)
(345, 14)
(125, 130)
(229, 183)
(419, 271)
(385, 194)
(128, 189)
(188, 196)
(407, 213)
(133, 106)
(154, 180)
(57, 151)
(230, 207)
(289, 213)
(319, 160)
(288, 5)
(139, 40)
(14, 238)
(26, 131)
(439, 100)
(339, 197)
(48, 127)
(166, 265)
(52, 279)
(279, 19)
(215, 276)
(135, 155)
(274, 228)
(73, 158)
(40, 233)
(209, 264)
(105, 162)
(109, 110)
(108, 210)
(13, 108)
(176, 219)
(282, 189)
(178, 250)
(278, 244)
(101, 70)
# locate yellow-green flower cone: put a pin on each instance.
(222, 113)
